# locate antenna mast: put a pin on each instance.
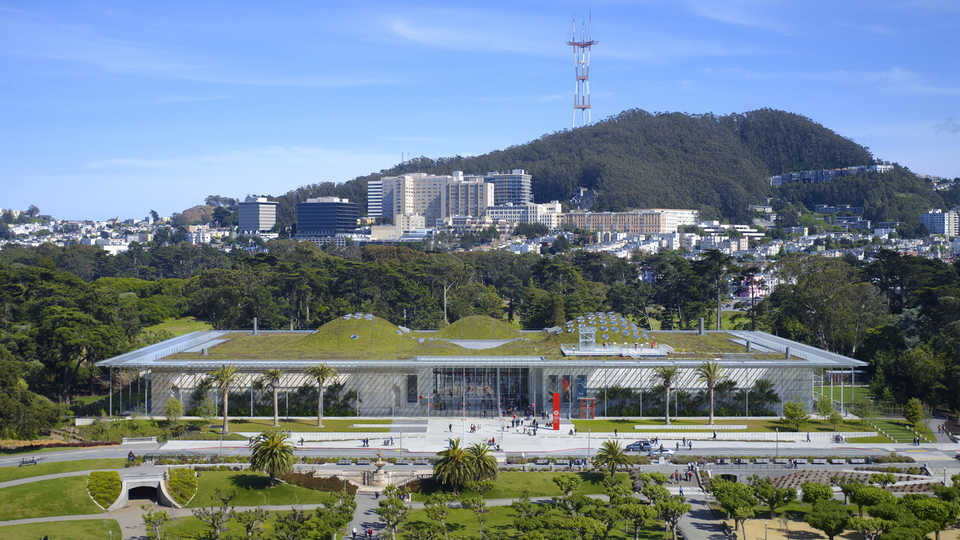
(581, 64)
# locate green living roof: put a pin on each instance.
(363, 337)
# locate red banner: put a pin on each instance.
(556, 411)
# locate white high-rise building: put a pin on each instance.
(945, 222)
(256, 214)
(513, 187)
(375, 198)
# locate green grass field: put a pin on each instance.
(499, 523)
(512, 484)
(40, 469)
(852, 395)
(252, 489)
(899, 430)
(625, 427)
(477, 327)
(691, 342)
(178, 327)
(60, 497)
(88, 529)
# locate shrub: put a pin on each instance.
(104, 487)
(330, 483)
(182, 484)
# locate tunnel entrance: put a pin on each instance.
(142, 493)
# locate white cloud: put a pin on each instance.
(948, 125)
(895, 78)
(465, 30)
(748, 13)
(30, 36)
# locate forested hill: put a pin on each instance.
(718, 164)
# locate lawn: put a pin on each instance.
(513, 484)
(252, 490)
(477, 327)
(899, 430)
(691, 342)
(14, 473)
(852, 395)
(499, 520)
(88, 529)
(61, 497)
(329, 425)
(192, 528)
(178, 327)
(163, 430)
(625, 427)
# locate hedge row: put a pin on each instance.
(104, 487)
(330, 483)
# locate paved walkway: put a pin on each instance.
(365, 517)
(933, 424)
(700, 523)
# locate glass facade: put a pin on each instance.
(480, 391)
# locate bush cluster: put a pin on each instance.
(104, 487)
(330, 483)
(182, 484)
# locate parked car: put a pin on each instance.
(638, 446)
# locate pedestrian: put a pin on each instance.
(681, 491)
(690, 444)
(714, 435)
(684, 441)
(615, 433)
(354, 532)
(678, 446)
(450, 428)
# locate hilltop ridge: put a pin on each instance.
(717, 164)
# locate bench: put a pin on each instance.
(29, 461)
(838, 461)
(819, 461)
(800, 461)
(542, 462)
(345, 462)
(564, 462)
(363, 462)
(858, 461)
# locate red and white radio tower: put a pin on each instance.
(581, 64)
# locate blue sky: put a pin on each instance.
(114, 108)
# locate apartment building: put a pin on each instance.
(945, 222)
(647, 221)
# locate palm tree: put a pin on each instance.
(271, 453)
(223, 378)
(610, 457)
(455, 467)
(483, 463)
(321, 373)
(668, 375)
(712, 374)
(272, 379)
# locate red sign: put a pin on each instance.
(556, 411)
